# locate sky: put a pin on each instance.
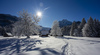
(72, 10)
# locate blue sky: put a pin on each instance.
(72, 10)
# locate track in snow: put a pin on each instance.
(51, 46)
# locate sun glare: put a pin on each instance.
(39, 14)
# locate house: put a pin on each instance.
(44, 32)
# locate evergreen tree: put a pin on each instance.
(95, 25)
(98, 28)
(66, 30)
(88, 29)
(76, 32)
(80, 27)
(73, 27)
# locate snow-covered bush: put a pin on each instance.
(56, 30)
(27, 25)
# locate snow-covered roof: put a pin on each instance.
(45, 28)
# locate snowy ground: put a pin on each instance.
(50, 46)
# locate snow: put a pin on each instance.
(84, 45)
(64, 22)
(36, 45)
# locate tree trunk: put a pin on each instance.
(28, 36)
(18, 46)
(18, 36)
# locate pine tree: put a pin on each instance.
(80, 27)
(95, 25)
(76, 32)
(73, 27)
(88, 29)
(98, 28)
(66, 30)
(56, 31)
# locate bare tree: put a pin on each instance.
(27, 24)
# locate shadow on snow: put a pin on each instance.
(14, 45)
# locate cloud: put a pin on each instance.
(46, 8)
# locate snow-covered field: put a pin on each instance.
(50, 46)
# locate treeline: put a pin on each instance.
(91, 28)
(27, 25)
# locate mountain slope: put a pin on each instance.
(64, 22)
(7, 19)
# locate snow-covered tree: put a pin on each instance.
(96, 28)
(27, 25)
(88, 29)
(66, 30)
(95, 25)
(80, 27)
(75, 32)
(56, 31)
(73, 27)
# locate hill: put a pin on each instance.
(7, 19)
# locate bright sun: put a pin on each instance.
(39, 14)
